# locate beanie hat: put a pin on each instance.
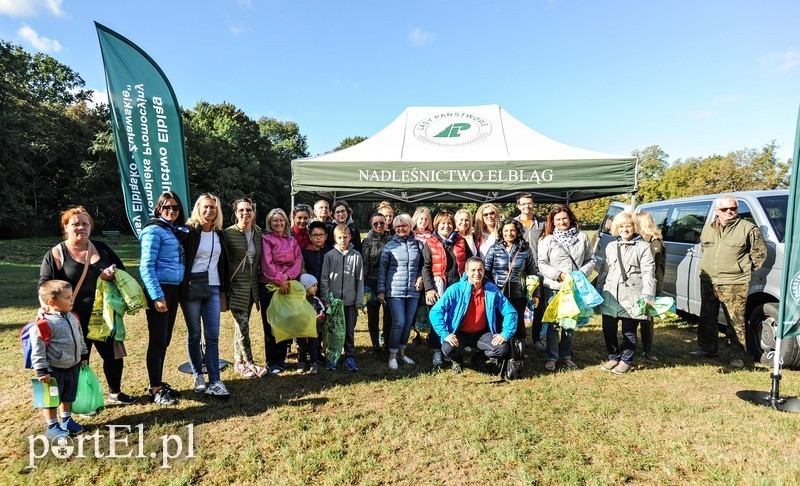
(308, 280)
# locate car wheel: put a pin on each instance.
(762, 330)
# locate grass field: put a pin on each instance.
(677, 421)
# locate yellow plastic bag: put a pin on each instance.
(291, 315)
(563, 304)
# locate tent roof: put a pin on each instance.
(470, 153)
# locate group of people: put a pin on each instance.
(467, 276)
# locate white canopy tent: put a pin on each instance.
(470, 153)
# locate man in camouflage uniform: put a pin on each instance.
(732, 249)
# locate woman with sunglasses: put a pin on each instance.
(487, 228)
(206, 263)
(243, 246)
(372, 247)
(162, 268)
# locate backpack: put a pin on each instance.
(25, 339)
(511, 367)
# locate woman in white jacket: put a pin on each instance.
(628, 275)
(563, 248)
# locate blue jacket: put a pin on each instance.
(162, 260)
(400, 266)
(497, 262)
(447, 313)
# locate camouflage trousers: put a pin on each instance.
(242, 349)
(733, 298)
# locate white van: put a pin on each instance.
(682, 220)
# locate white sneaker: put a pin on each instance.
(437, 357)
(392, 364)
(199, 383)
(408, 360)
(218, 390)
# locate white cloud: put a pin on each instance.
(237, 29)
(38, 42)
(418, 37)
(99, 97)
(781, 62)
(30, 8)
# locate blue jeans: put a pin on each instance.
(207, 310)
(403, 310)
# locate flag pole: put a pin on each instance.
(787, 310)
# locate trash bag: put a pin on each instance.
(90, 394)
(662, 307)
(566, 309)
(369, 295)
(585, 292)
(334, 329)
(290, 315)
(422, 320)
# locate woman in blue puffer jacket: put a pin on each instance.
(508, 263)
(400, 284)
(162, 268)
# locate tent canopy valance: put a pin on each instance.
(471, 154)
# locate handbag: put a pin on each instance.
(198, 286)
(198, 281)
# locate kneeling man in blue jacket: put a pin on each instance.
(466, 316)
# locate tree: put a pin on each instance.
(225, 152)
(349, 142)
(285, 144)
(652, 166)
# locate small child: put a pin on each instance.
(310, 346)
(343, 276)
(59, 358)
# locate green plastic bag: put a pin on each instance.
(422, 320)
(334, 329)
(90, 393)
(662, 307)
(290, 315)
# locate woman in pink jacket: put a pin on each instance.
(281, 262)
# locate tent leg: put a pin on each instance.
(773, 399)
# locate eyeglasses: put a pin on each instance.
(248, 210)
(169, 208)
(379, 223)
(398, 226)
(729, 210)
(317, 235)
(490, 213)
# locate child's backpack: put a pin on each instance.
(25, 339)
(512, 366)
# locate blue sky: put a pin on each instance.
(695, 77)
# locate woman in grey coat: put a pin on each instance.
(563, 248)
(628, 275)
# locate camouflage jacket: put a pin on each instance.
(731, 252)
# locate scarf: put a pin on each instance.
(565, 237)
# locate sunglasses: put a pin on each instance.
(491, 213)
(169, 208)
(729, 210)
(379, 223)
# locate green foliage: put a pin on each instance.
(350, 141)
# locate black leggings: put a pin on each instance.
(159, 326)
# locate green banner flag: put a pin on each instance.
(789, 309)
(148, 130)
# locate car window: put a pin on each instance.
(686, 221)
(605, 226)
(659, 215)
(744, 212)
(775, 207)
